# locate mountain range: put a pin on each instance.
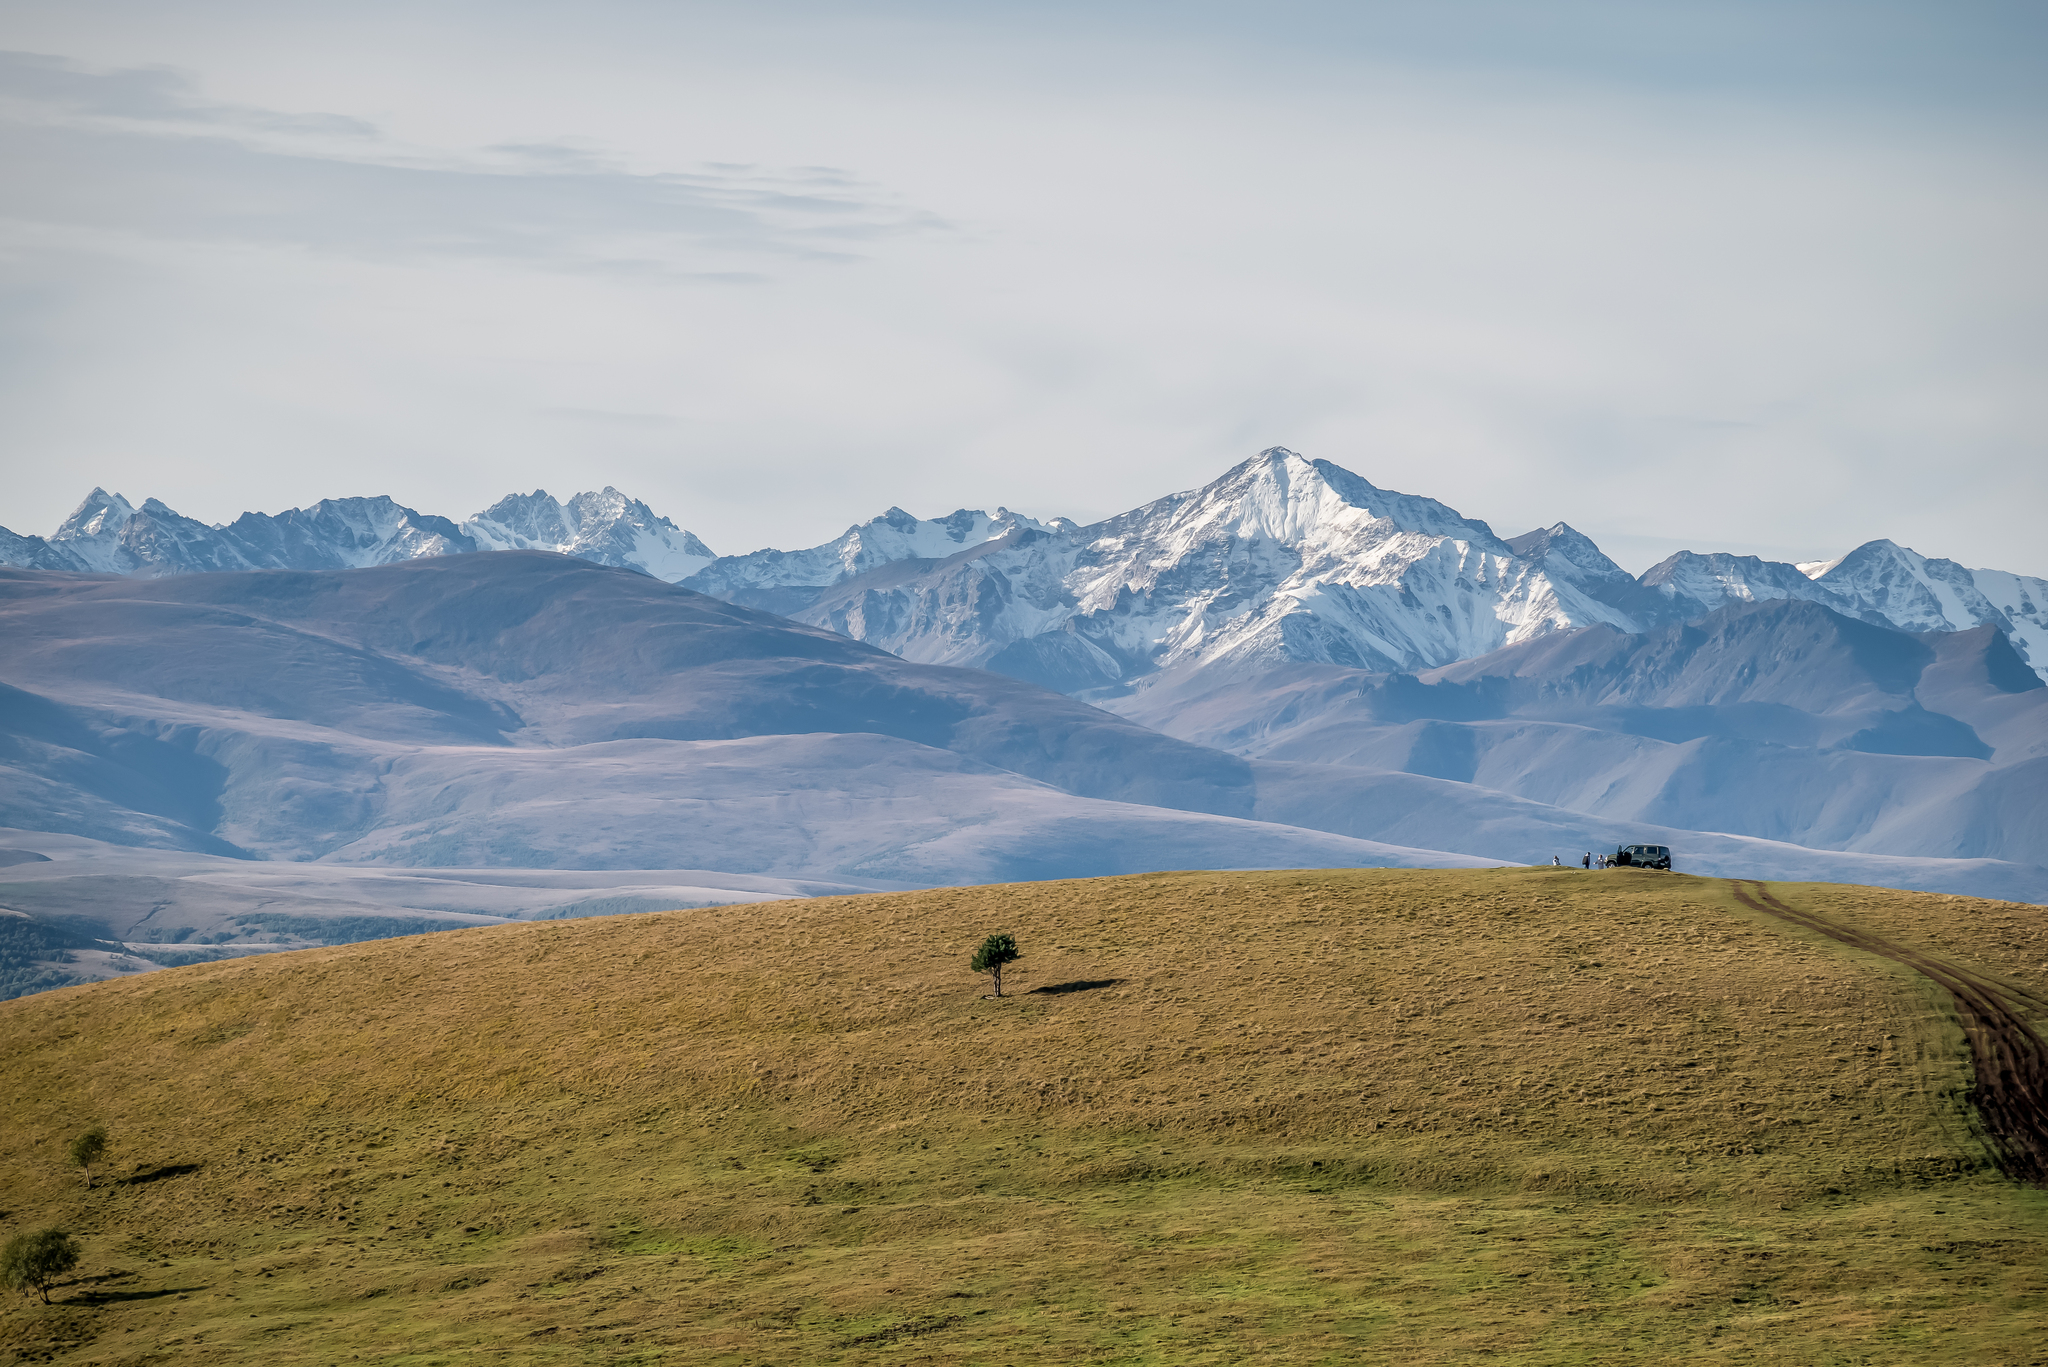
(243, 733)
(1282, 560)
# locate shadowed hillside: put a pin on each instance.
(1367, 1116)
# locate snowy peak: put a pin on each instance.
(1694, 585)
(100, 515)
(1564, 548)
(606, 528)
(1280, 559)
(1885, 581)
(522, 522)
(109, 535)
(344, 533)
(92, 534)
(896, 535)
(789, 581)
(1906, 588)
(1284, 497)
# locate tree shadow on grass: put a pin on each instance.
(91, 1292)
(96, 1298)
(158, 1174)
(1080, 985)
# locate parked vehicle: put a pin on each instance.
(1643, 856)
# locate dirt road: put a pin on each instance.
(2009, 1057)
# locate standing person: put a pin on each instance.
(1553, 862)
(1586, 860)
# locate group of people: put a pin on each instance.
(1588, 860)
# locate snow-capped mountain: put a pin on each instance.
(344, 534)
(109, 535)
(1880, 582)
(1691, 585)
(1282, 559)
(1290, 560)
(788, 581)
(1885, 581)
(606, 528)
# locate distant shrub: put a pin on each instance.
(995, 951)
(88, 1149)
(32, 1261)
(32, 954)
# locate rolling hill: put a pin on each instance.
(1528, 1115)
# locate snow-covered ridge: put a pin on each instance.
(1281, 559)
(607, 528)
(788, 577)
(109, 535)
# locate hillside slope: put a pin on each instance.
(525, 709)
(1380, 1116)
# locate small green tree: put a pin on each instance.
(995, 951)
(88, 1149)
(30, 1262)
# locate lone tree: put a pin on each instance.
(88, 1149)
(995, 951)
(30, 1262)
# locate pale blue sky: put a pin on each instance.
(1761, 277)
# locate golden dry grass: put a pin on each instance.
(1535, 1116)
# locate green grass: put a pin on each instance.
(1413, 1117)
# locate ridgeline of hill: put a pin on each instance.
(1527, 1115)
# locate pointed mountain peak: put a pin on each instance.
(1882, 551)
(1284, 496)
(100, 512)
(1564, 542)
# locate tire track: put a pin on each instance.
(2009, 1058)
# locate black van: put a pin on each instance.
(1643, 856)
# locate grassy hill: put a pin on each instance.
(1525, 1115)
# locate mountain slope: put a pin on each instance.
(529, 710)
(1781, 720)
(526, 709)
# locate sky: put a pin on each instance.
(1757, 277)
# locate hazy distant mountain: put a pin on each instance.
(525, 710)
(1779, 720)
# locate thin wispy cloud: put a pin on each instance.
(139, 152)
